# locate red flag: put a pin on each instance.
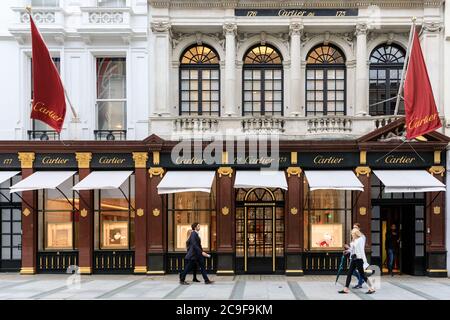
(49, 103)
(420, 108)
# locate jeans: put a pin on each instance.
(390, 253)
(190, 265)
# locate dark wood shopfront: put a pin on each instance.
(266, 235)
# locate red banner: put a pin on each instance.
(420, 108)
(49, 103)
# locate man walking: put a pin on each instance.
(195, 255)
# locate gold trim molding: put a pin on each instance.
(140, 269)
(83, 159)
(156, 171)
(140, 212)
(26, 159)
(225, 171)
(294, 171)
(26, 212)
(435, 170)
(27, 270)
(363, 171)
(225, 210)
(156, 212)
(156, 272)
(294, 157)
(363, 157)
(437, 157)
(156, 158)
(140, 160)
(83, 213)
(224, 157)
(85, 270)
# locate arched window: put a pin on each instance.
(263, 82)
(386, 64)
(199, 81)
(325, 81)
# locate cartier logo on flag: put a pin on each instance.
(49, 104)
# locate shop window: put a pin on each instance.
(199, 81)
(112, 3)
(327, 219)
(386, 64)
(262, 90)
(58, 217)
(184, 209)
(44, 3)
(111, 94)
(325, 81)
(114, 217)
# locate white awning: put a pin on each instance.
(186, 181)
(333, 179)
(42, 180)
(103, 180)
(260, 179)
(6, 175)
(409, 181)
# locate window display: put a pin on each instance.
(59, 235)
(326, 236)
(115, 235)
(183, 233)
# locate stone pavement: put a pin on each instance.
(248, 287)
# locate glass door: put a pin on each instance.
(11, 232)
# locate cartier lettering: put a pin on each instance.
(328, 160)
(57, 160)
(294, 13)
(113, 160)
(399, 160)
(415, 123)
(41, 108)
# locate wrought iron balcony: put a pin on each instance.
(43, 135)
(110, 135)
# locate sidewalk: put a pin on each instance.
(15, 286)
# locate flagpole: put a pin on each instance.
(408, 53)
(28, 9)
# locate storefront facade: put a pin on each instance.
(115, 207)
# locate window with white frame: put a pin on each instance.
(112, 3)
(44, 3)
(111, 93)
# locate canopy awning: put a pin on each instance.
(42, 180)
(103, 180)
(333, 179)
(260, 179)
(6, 175)
(409, 181)
(186, 181)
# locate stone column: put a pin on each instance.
(229, 30)
(161, 32)
(362, 71)
(29, 218)
(86, 222)
(140, 217)
(295, 30)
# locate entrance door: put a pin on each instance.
(11, 239)
(260, 242)
(409, 224)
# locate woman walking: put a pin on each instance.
(357, 255)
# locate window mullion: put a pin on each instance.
(325, 91)
(199, 91)
(263, 91)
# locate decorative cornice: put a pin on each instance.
(437, 170)
(229, 28)
(26, 159)
(361, 29)
(156, 171)
(160, 26)
(432, 27)
(363, 171)
(294, 171)
(83, 159)
(225, 171)
(296, 29)
(140, 160)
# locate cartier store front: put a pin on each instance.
(127, 206)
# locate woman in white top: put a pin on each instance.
(357, 255)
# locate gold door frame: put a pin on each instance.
(259, 204)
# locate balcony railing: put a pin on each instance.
(95, 16)
(110, 135)
(330, 124)
(263, 125)
(43, 135)
(197, 124)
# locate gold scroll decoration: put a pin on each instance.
(225, 211)
(225, 171)
(435, 170)
(26, 159)
(83, 159)
(363, 171)
(294, 171)
(294, 211)
(156, 212)
(156, 171)
(140, 160)
(140, 212)
(26, 212)
(83, 213)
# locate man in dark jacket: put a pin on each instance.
(392, 244)
(195, 255)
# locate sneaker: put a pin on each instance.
(184, 283)
(195, 280)
(209, 282)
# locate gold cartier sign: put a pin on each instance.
(399, 160)
(193, 160)
(41, 108)
(111, 160)
(51, 160)
(327, 160)
(259, 160)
